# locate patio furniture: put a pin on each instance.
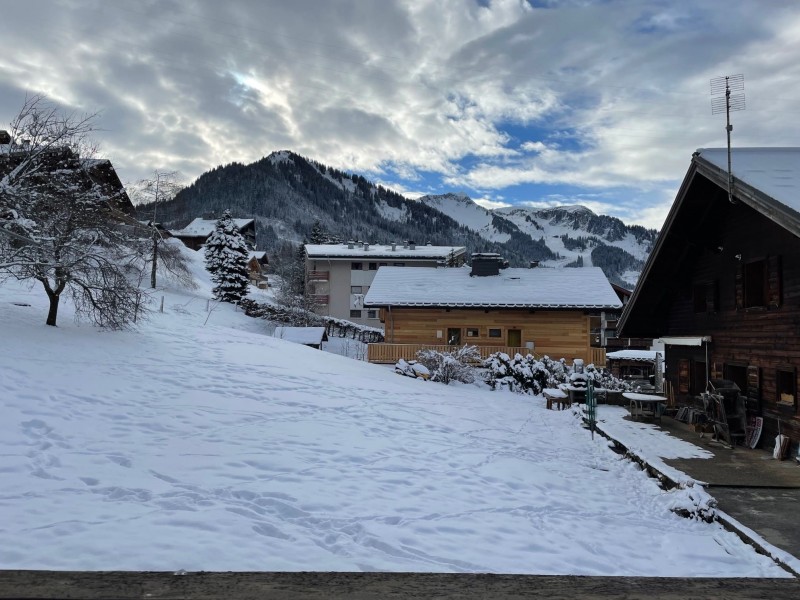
(555, 396)
(645, 405)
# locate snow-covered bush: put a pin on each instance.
(530, 375)
(457, 365)
(413, 369)
(523, 374)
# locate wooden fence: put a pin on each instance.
(391, 353)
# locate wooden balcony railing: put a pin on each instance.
(319, 299)
(391, 353)
(318, 275)
(597, 356)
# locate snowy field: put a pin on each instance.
(197, 442)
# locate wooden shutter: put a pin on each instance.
(683, 376)
(774, 281)
(712, 296)
(739, 286)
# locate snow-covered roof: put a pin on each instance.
(380, 251)
(513, 288)
(773, 171)
(643, 355)
(201, 227)
(301, 335)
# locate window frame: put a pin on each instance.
(499, 333)
(356, 266)
(355, 313)
(356, 289)
(786, 382)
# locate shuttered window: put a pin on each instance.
(759, 283)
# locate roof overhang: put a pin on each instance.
(685, 340)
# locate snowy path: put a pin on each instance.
(183, 446)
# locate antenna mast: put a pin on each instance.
(728, 103)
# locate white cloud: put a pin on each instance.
(487, 97)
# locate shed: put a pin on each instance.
(308, 336)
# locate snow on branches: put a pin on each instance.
(226, 260)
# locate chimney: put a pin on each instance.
(486, 264)
(350, 245)
(534, 264)
(394, 246)
(412, 245)
(366, 245)
(5, 138)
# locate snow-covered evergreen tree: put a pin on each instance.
(226, 260)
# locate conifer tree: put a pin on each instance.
(226, 260)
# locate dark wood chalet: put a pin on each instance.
(722, 285)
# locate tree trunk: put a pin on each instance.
(155, 259)
(52, 314)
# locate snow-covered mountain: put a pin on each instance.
(575, 234)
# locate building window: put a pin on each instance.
(454, 336)
(755, 283)
(355, 289)
(356, 266)
(785, 384)
(383, 264)
(705, 297)
(373, 266)
(399, 264)
(699, 298)
(495, 333)
(372, 314)
(472, 332)
(355, 314)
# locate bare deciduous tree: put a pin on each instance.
(62, 228)
(162, 187)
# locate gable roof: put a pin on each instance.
(204, 227)
(513, 288)
(765, 179)
(377, 251)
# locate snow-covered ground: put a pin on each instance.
(198, 442)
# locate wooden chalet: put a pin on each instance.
(82, 173)
(722, 285)
(536, 310)
(195, 234)
(257, 263)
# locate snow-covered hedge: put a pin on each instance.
(456, 365)
(531, 375)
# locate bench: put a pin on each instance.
(555, 396)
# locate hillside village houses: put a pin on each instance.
(340, 275)
(541, 310)
(722, 285)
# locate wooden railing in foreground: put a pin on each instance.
(391, 353)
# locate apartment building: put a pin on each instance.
(339, 275)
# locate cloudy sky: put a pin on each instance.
(510, 101)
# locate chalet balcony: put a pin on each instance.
(384, 353)
(319, 299)
(318, 275)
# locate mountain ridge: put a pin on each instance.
(287, 193)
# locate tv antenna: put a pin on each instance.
(728, 103)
